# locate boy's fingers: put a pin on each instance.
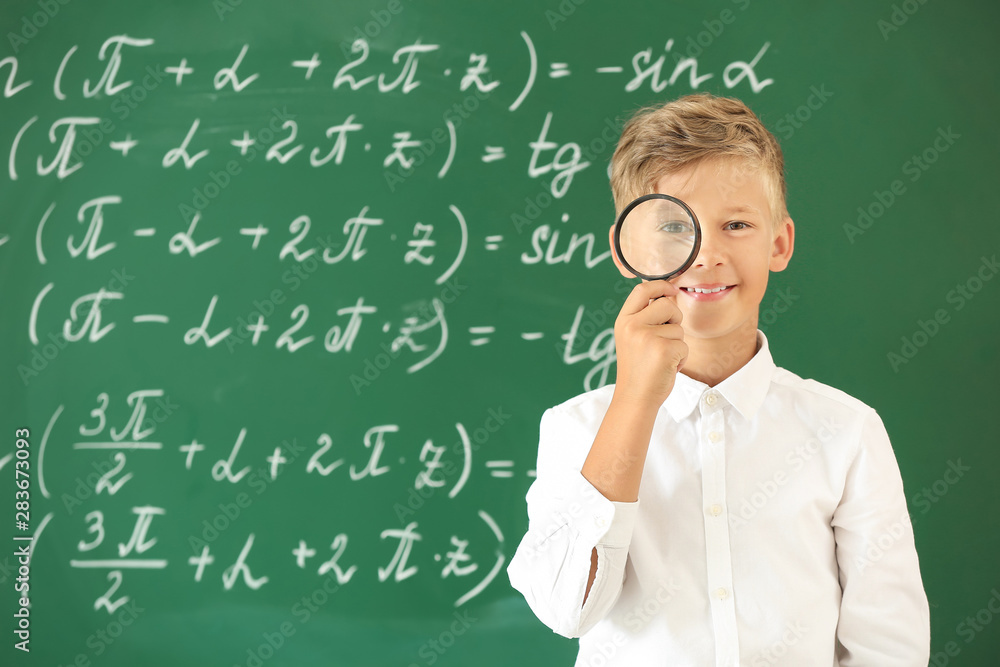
(660, 311)
(643, 293)
(671, 331)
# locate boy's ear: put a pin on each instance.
(782, 245)
(614, 255)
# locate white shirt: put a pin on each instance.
(771, 529)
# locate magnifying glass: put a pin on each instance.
(657, 237)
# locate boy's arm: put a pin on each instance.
(571, 565)
(568, 522)
(884, 615)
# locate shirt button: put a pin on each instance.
(714, 436)
(716, 510)
(710, 399)
(721, 593)
(601, 522)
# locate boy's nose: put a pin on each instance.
(710, 252)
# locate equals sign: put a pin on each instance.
(493, 242)
(479, 331)
(558, 70)
(494, 153)
(495, 468)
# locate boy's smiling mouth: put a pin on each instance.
(707, 292)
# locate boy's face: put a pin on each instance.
(738, 247)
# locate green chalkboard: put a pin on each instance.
(285, 288)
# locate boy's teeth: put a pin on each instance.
(704, 291)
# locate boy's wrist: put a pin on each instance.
(638, 402)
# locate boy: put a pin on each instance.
(710, 508)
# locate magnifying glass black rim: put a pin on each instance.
(694, 250)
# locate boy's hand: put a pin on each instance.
(649, 342)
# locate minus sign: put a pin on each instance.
(145, 232)
(609, 69)
(532, 335)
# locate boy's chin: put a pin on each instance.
(707, 328)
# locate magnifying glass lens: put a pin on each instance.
(658, 238)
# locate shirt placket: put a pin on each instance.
(712, 445)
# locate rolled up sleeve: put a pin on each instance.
(567, 519)
(884, 614)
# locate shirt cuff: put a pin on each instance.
(600, 521)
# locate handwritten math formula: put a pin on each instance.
(166, 216)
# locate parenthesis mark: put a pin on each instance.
(461, 251)
(57, 82)
(467, 465)
(38, 234)
(32, 322)
(451, 149)
(38, 533)
(493, 525)
(13, 148)
(496, 566)
(41, 456)
(531, 72)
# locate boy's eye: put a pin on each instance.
(743, 225)
(676, 227)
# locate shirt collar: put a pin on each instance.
(744, 390)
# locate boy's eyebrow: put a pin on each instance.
(741, 208)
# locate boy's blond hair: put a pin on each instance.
(661, 139)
